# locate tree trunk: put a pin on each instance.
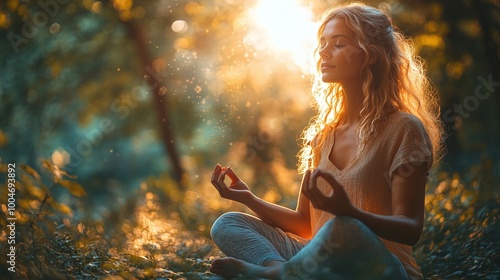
(160, 101)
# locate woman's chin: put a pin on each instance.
(328, 79)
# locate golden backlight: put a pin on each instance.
(283, 26)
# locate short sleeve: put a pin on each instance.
(413, 146)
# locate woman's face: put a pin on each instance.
(341, 57)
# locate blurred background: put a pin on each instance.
(116, 92)
(139, 98)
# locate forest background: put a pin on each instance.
(113, 114)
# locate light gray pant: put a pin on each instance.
(344, 248)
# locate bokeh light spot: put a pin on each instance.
(54, 28)
(96, 7)
(179, 26)
(181, 44)
(193, 8)
(60, 157)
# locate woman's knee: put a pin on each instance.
(345, 246)
(222, 226)
(348, 232)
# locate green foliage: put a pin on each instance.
(161, 234)
(35, 199)
(77, 87)
(460, 239)
(39, 218)
(145, 243)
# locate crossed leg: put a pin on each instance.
(344, 248)
(254, 248)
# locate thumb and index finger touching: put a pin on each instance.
(230, 173)
(310, 183)
(326, 176)
(226, 170)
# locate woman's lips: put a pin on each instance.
(326, 66)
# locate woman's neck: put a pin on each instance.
(353, 101)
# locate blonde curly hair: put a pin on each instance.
(396, 81)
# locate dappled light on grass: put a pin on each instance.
(149, 229)
(460, 236)
(160, 246)
(163, 232)
(144, 239)
(235, 78)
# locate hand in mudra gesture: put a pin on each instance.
(237, 189)
(335, 201)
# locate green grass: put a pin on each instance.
(162, 233)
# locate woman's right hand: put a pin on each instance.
(237, 189)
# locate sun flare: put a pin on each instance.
(284, 26)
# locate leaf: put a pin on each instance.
(3, 139)
(37, 192)
(109, 266)
(64, 209)
(73, 187)
(139, 260)
(64, 173)
(48, 165)
(81, 228)
(30, 171)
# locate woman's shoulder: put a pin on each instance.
(401, 125)
(408, 140)
(400, 116)
(399, 120)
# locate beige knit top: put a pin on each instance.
(366, 178)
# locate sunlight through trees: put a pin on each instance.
(116, 111)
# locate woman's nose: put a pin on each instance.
(323, 53)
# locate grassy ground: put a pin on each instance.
(152, 238)
(157, 246)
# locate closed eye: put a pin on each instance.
(339, 43)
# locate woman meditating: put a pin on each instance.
(365, 159)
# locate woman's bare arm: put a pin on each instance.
(408, 199)
(295, 221)
(408, 194)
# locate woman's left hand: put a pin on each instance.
(336, 202)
